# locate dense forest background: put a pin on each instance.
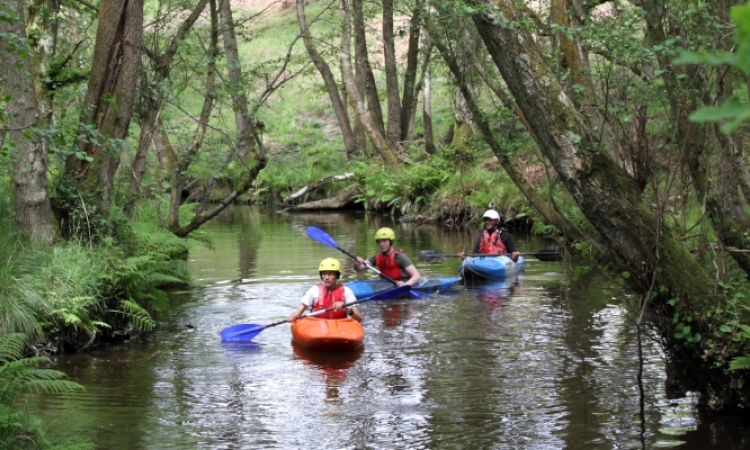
(614, 127)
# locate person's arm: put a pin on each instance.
(414, 276)
(404, 262)
(360, 266)
(509, 245)
(309, 299)
(351, 311)
(297, 313)
(476, 243)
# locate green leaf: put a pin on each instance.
(725, 328)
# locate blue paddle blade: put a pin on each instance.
(417, 294)
(241, 333)
(318, 235)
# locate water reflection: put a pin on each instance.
(332, 366)
(548, 361)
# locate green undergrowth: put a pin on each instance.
(69, 295)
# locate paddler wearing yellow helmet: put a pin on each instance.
(328, 294)
(392, 262)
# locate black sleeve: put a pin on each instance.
(476, 243)
(508, 241)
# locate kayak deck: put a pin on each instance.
(327, 334)
(367, 288)
(490, 267)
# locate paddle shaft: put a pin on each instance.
(546, 254)
(312, 314)
(256, 329)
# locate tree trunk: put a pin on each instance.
(339, 107)
(42, 31)
(246, 146)
(377, 138)
(393, 131)
(408, 103)
(110, 96)
(32, 202)
(429, 134)
(363, 63)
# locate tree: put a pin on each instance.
(19, 120)
(105, 120)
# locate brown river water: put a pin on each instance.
(547, 361)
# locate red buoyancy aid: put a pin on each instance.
(491, 244)
(327, 298)
(388, 265)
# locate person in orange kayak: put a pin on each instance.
(329, 294)
(392, 262)
(494, 239)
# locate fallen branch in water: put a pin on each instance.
(313, 186)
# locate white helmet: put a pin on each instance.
(491, 214)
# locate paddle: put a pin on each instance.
(554, 253)
(247, 331)
(318, 235)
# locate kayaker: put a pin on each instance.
(329, 294)
(392, 262)
(494, 239)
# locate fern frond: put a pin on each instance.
(141, 318)
(11, 346)
(53, 386)
(741, 363)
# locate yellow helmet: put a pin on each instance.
(332, 264)
(385, 233)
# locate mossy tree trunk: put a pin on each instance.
(21, 115)
(111, 93)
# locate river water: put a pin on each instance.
(547, 361)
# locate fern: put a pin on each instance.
(20, 376)
(741, 363)
(142, 320)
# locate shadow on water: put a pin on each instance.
(546, 361)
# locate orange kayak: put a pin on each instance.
(327, 334)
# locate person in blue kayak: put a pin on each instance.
(393, 262)
(494, 239)
(329, 294)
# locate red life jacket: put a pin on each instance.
(491, 244)
(326, 300)
(387, 264)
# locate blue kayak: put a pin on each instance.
(366, 288)
(490, 267)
